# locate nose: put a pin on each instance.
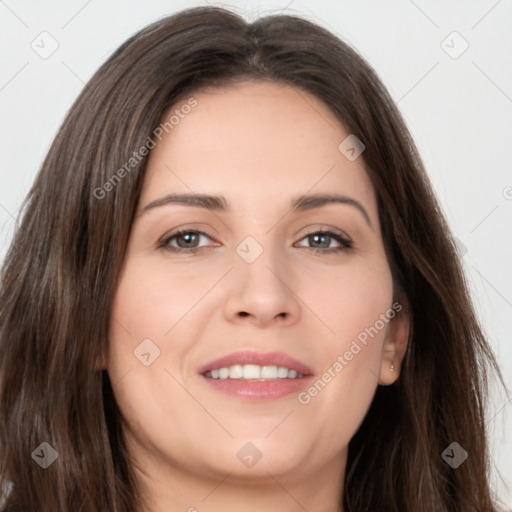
(262, 293)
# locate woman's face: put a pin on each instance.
(256, 282)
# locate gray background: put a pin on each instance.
(457, 103)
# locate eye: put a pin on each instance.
(323, 239)
(187, 240)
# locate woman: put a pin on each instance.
(233, 288)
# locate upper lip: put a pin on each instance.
(259, 358)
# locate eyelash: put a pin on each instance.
(346, 244)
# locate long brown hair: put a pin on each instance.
(60, 275)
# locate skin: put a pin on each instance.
(259, 145)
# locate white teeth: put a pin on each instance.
(253, 372)
(282, 372)
(269, 372)
(236, 371)
(223, 373)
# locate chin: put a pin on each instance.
(257, 456)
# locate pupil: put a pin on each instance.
(317, 238)
(188, 237)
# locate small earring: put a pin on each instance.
(392, 367)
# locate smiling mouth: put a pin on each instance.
(252, 372)
(254, 375)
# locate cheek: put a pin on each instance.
(155, 311)
(152, 298)
(143, 348)
(349, 299)
(138, 321)
(357, 306)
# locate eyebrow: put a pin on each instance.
(220, 204)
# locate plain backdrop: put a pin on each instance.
(448, 65)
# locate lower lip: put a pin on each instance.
(259, 390)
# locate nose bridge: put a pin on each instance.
(261, 265)
(263, 244)
(263, 289)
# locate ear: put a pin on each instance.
(394, 348)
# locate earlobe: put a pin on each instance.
(389, 372)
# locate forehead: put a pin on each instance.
(254, 141)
